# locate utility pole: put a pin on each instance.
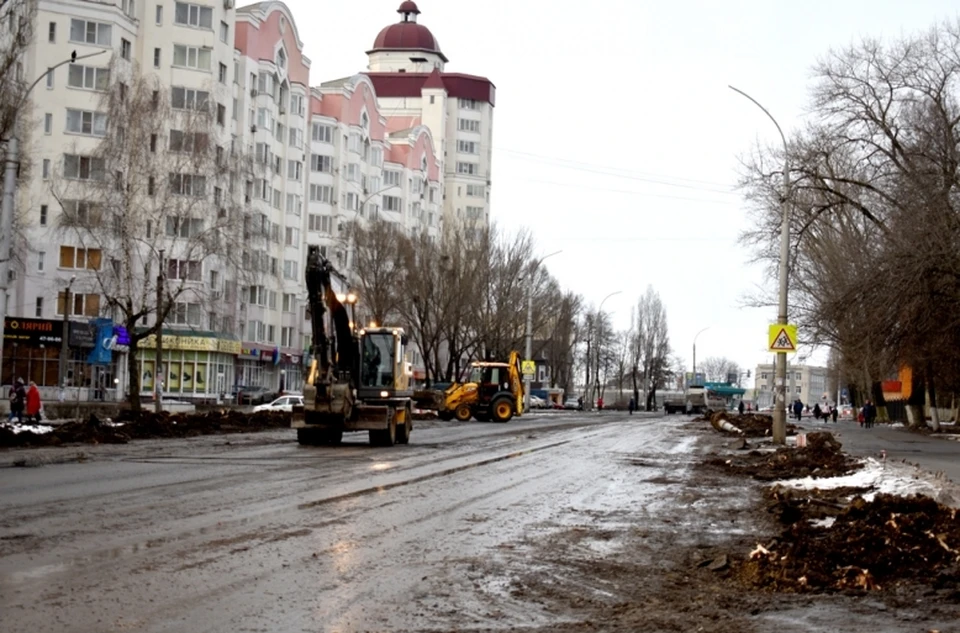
(160, 372)
(65, 337)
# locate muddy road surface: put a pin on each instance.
(556, 522)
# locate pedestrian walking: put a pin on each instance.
(632, 406)
(816, 411)
(33, 404)
(797, 408)
(600, 403)
(834, 412)
(869, 414)
(741, 407)
(18, 398)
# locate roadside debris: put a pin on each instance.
(821, 457)
(146, 425)
(748, 424)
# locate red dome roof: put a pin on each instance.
(407, 34)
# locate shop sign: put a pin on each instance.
(33, 331)
(192, 344)
(83, 334)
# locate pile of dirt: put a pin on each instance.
(828, 544)
(751, 424)
(147, 425)
(821, 457)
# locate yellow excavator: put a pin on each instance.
(359, 380)
(493, 391)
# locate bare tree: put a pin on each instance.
(376, 249)
(158, 181)
(717, 368)
(17, 19)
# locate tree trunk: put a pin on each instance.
(636, 387)
(652, 398)
(932, 397)
(133, 371)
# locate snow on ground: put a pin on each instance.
(17, 427)
(878, 477)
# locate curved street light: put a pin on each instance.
(596, 377)
(529, 350)
(780, 386)
(12, 161)
(695, 350)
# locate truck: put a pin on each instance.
(696, 399)
(493, 391)
(359, 379)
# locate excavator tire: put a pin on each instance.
(385, 437)
(404, 430)
(332, 438)
(501, 409)
(307, 437)
(463, 413)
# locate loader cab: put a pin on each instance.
(490, 378)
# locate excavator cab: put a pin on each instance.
(383, 364)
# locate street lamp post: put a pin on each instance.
(780, 386)
(11, 164)
(695, 350)
(160, 372)
(529, 350)
(596, 372)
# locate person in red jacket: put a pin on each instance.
(33, 403)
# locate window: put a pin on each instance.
(474, 213)
(321, 193)
(296, 104)
(47, 123)
(468, 147)
(468, 125)
(296, 137)
(351, 201)
(294, 204)
(39, 309)
(221, 114)
(321, 163)
(286, 337)
(256, 331)
(321, 133)
(81, 305)
(46, 168)
(391, 178)
(193, 15)
(52, 33)
(189, 99)
(188, 185)
(159, 14)
(49, 78)
(191, 57)
(281, 58)
(392, 203)
(292, 237)
(468, 104)
(276, 205)
(353, 172)
(798, 389)
(189, 142)
(125, 49)
(184, 313)
(294, 170)
(89, 32)
(320, 223)
(88, 77)
(184, 270)
(82, 167)
(81, 212)
(476, 191)
(223, 73)
(128, 7)
(80, 258)
(43, 214)
(376, 156)
(289, 302)
(290, 269)
(224, 32)
(40, 257)
(468, 168)
(84, 122)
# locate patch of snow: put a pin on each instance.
(877, 477)
(824, 522)
(16, 427)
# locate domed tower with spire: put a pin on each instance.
(406, 46)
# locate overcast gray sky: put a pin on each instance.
(616, 138)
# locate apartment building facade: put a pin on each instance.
(301, 164)
(804, 382)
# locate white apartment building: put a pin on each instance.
(805, 382)
(304, 162)
(406, 67)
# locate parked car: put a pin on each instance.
(536, 402)
(253, 394)
(283, 403)
(571, 403)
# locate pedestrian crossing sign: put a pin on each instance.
(528, 368)
(782, 338)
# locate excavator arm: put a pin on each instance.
(335, 353)
(516, 381)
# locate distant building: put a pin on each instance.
(807, 383)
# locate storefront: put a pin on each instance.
(32, 349)
(198, 366)
(265, 366)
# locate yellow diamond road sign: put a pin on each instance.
(528, 367)
(782, 338)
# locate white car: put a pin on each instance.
(283, 403)
(536, 402)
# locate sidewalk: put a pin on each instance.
(934, 453)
